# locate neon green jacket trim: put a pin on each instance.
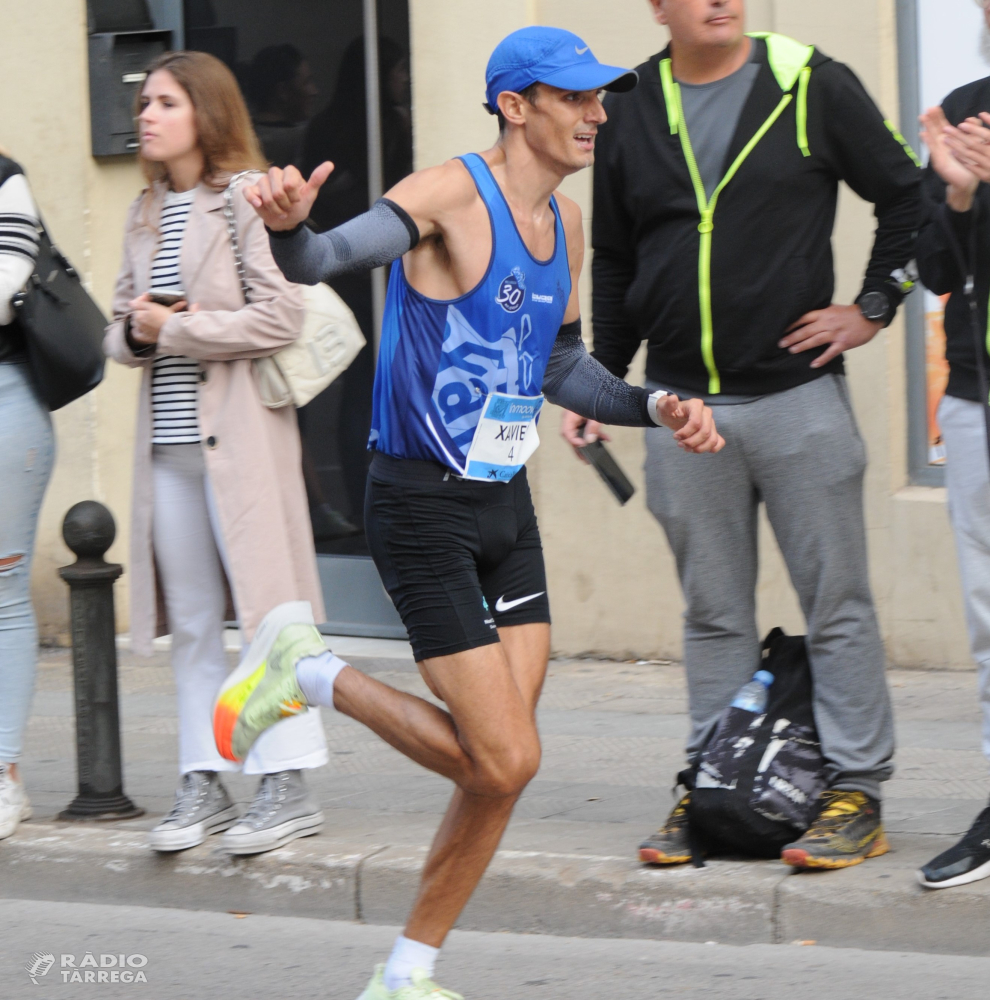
(789, 61)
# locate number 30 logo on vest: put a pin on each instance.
(512, 291)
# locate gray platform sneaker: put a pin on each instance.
(202, 806)
(282, 811)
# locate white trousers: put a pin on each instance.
(190, 558)
(967, 476)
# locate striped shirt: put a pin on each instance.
(18, 241)
(174, 379)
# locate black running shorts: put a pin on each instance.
(459, 559)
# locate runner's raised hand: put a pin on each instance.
(284, 198)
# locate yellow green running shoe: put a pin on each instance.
(423, 988)
(847, 832)
(263, 690)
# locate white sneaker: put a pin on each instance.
(282, 811)
(202, 807)
(422, 988)
(14, 804)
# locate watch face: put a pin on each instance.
(874, 306)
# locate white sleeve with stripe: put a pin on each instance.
(18, 240)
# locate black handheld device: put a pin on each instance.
(166, 299)
(608, 468)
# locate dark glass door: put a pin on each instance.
(302, 67)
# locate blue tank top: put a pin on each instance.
(439, 360)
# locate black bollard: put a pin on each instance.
(88, 530)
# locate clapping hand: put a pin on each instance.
(970, 145)
(284, 198)
(954, 154)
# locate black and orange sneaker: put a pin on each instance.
(670, 845)
(847, 832)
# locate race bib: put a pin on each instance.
(505, 437)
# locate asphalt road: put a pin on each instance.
(192, 955)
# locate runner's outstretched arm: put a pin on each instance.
(381, 235)
(576, 381)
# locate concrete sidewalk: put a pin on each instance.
(612, 736)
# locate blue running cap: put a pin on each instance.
(553, 56)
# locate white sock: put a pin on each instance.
(406, 956)
(316, 676)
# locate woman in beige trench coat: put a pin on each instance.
(220, 506)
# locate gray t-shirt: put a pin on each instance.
(711, 111)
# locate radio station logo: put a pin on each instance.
(88, 969)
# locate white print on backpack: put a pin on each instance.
(787, 775)
(708, 777)
(775, 745)
(759, 776)
(786, 788)
(784, 783)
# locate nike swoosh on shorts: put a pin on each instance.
(502, 605)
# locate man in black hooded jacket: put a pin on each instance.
(716, 185)
(954, 260)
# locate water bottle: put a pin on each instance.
(752, 697)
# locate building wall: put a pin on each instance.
(612, 579)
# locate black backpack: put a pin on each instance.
(756, 784)
(57, 322)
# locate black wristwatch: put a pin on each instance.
(876, 307)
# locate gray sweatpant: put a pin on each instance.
(968, 479)
(800, 453)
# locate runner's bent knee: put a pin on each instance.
(507, 773)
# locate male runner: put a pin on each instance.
(481, 318)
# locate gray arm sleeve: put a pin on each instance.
(381, 235)
(576, 381)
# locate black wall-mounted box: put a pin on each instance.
(117, 64)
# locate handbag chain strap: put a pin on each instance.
(228, 211)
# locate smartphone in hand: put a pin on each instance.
(166, 299)
(611, 473)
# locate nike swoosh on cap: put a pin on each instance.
(502, 605)
(580, 52)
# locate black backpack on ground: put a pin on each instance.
(756, 783)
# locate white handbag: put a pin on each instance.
(330, 339)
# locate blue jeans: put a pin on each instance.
(27, 452)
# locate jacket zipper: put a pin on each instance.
(706, 206)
